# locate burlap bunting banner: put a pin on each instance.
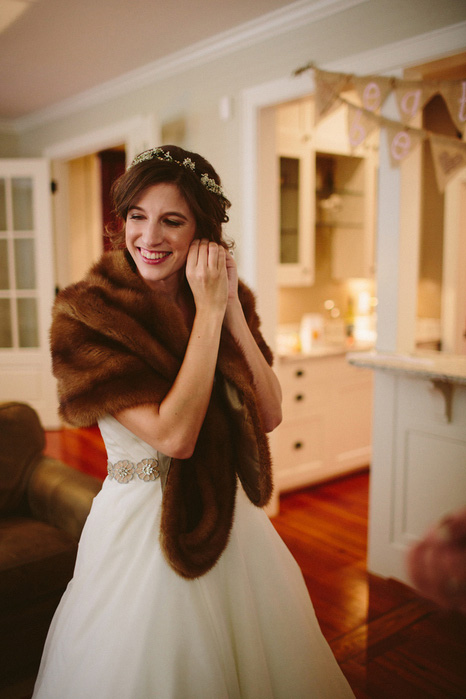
(449, 154)
(412, 96)
(455, 98)
(361, 123)
(372, 91)
(449, 157)
(401, 141)
(328, 89)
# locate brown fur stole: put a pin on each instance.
(117, 344)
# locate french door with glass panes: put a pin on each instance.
(26, 286)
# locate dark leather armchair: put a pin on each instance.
(43, 507)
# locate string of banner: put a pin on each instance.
(449, 153)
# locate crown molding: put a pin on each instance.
(265, 27)
(405, 53)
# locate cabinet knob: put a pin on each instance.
(298, 397)
(299, 372)
(298, 445)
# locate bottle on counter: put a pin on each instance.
(349, 322)
(311, 331)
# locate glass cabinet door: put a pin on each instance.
(296, 215)
(289, 210)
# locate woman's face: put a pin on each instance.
(160, 227)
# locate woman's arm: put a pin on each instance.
(172, 427)
(266, 384)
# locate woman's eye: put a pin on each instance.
(135, 217)
(174, 223)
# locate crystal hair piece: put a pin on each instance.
(160, 154)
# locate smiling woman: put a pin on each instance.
(160, 344)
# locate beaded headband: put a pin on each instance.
(158, 153)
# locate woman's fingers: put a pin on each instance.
(206, 253)
(206, 273)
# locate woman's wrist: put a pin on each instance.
(234, 313)
(208, 322)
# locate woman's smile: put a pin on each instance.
(152, 257)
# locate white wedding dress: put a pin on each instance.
(129, 627)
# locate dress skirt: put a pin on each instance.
(129, 627)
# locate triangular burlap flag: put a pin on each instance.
(327, 90)
(454, 94)
(401, 141)
(411, 96)
(360, 124)
(372, 90)
(449, 156)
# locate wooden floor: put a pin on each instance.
(389, 641)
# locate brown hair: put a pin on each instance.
(208, 208)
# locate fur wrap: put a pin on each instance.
(117, 344)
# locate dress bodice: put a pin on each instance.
(123, 447)
(122, 444)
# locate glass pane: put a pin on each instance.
(4, 273)
(2, 205)
(6, 336)
(289, 210)
(27, 323)
(23, 219)
(25, 266)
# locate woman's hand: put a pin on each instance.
(206, 272)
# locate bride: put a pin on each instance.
(182, 588)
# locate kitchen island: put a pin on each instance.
(418, 468)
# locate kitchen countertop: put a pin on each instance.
(429, 365)
(324, 350)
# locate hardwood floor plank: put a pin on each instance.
(402, 674)
(370, 636)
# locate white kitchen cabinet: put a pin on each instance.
(326, 189)
(326, 428)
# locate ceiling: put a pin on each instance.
(52, 50)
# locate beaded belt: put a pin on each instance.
(124, 471)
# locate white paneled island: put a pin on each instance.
(418, 471)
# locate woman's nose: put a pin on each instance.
(153, 233)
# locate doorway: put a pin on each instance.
(82, 210)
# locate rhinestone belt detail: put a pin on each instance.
(124, 471)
